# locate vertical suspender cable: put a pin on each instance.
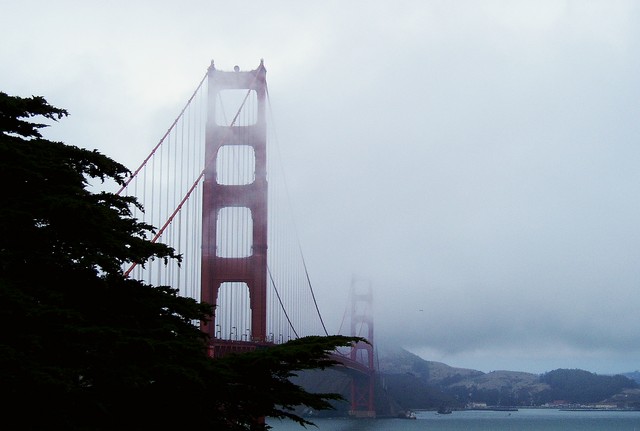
(299, 245)
(186, 196)
(144, 162)
(281, 304)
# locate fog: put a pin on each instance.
(477, 161)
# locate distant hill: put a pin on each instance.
(634, 375)
(408, 382)
(420, 384)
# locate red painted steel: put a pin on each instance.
(252, 269)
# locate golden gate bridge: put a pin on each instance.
(211, 188)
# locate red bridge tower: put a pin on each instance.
(224, 192)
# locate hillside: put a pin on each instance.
(408, 382)
(417, 383)
(635, 375)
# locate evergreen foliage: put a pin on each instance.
(581, 386)
(84, 348)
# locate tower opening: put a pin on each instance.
(235, 165)
(233, 312)
(234, 232)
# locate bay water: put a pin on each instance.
(476, 420)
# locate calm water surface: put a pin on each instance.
(521, 420)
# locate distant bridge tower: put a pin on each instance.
(233, 191)
(362, 385)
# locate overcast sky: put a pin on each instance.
(477, 161)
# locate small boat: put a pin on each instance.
(444, 410)
(407, 415)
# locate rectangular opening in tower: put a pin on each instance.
(233, 312)
(234, 232)
(236, 165)
(238, 104)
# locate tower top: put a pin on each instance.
(236, 68)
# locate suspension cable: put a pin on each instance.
(306, 272)
(344, 317)
(144, 162)
(273, 283)
(197, 180)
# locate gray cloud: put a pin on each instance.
(477, 160)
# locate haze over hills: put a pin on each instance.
(397, 359)
(408, 382)
(418, 383)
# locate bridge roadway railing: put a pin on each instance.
(346, 362)
(219, 347)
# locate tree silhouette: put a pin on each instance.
(84, 348)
